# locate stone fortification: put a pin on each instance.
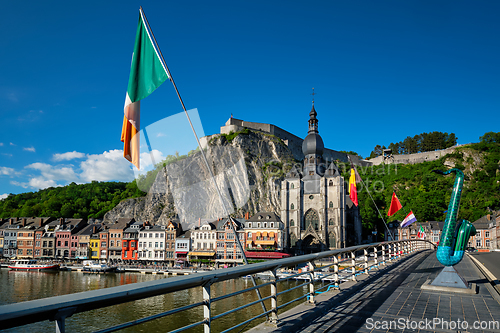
(293, 142)
(413, 158)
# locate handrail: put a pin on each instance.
(59, 307)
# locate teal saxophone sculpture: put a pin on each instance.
(455, 236)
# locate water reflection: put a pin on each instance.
(23, 286)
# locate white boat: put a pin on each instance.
(91, 266)
(32, 266)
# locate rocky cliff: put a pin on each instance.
(247, 168)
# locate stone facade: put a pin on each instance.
(315, 207)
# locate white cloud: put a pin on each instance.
(4, 171)
(32, 149)
(146, 158)
(1, 144)
(12, 144)
(159, 135)
(40, 183)
(107, 166)
(67, 156)
(16, 183)
(3, 196)
(54, 173)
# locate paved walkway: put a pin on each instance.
(392, 301)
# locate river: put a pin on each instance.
(19, 286)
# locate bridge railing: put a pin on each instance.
(325, 270)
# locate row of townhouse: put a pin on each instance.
(127, 240)
(487, 236)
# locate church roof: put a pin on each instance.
(293, 173)
(313, 143)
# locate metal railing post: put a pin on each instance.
(274, 300)
(375, 257)
(365, 252)
(311, 283)
(336, 271)
(60, 318)
(383, 255)
(353, 268)
(206, 307)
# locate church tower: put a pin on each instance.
(313, 200)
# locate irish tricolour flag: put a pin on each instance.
(146, 74)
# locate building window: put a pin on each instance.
(487, 243)
(292, 185)
(330, 222)
(292, 223)
(478, 243)
(487, 234)
(292, 206)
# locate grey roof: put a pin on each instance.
(87, 230)
(265, 217)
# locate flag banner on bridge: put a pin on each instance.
(146, 74)
(395, 205)
(409, 219)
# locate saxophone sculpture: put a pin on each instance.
(455, 236)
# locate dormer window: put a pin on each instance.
(268, 217)
(260, 217)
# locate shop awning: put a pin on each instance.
(271, 234)
(266, 255)
(265, 242)
(207, 254)
(264, 234)
(181, 252)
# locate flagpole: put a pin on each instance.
(361, 179)
(164, 64)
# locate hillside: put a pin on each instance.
(426, 193)
(90, 200)
(249, 167)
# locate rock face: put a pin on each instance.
(248, 171)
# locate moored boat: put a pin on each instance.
(90, 266)
(32, 266)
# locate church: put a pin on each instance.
(316, 209)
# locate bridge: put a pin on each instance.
(372, 288)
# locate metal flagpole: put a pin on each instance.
(231, 220)
(364, 185)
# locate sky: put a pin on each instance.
(382, 71)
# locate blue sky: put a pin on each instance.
(382, 71)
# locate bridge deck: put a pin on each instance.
(392, 296)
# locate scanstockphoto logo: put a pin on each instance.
(204, 186)
(431, 324)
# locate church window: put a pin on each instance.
(292, 206)
(330, 183)
(318, 160)
(311, 197)
(292, 186)
(330, 222)
(311, 173)
(330, 205)
(331, 240)
(311, 160)
(292, 223)
(311, 219)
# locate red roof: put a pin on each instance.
(266, 255)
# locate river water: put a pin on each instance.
(19, 286)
